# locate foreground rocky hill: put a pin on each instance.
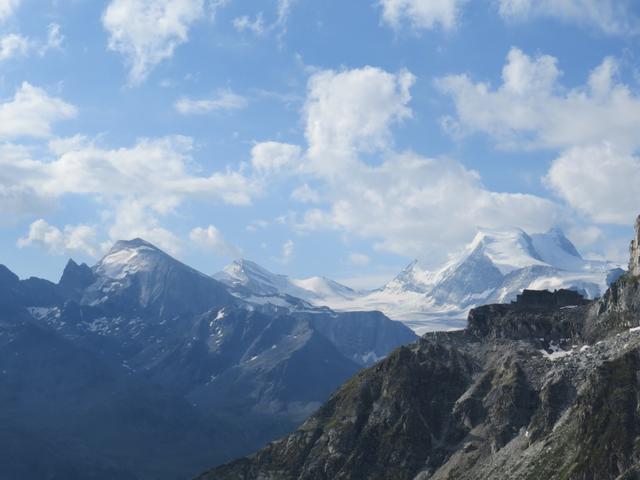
(547, 387)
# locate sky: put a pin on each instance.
(336, 138)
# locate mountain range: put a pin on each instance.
(544, 387)
(494, 268)
(141, 367)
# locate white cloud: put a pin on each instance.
(211, 239)
(422, 14)
(305, 194)
(256, 26)
(133, 218)
(13, 45)
(54, 39)
(256, 225)
(359, 259)
(72, 239)
(352, 111)
(284, 10)
(609, 16)
(150, 178)
(408, 204)
(288, 250)
(8, 8)
(32, 112)
(531, 109)
(222, 101)
(274, 156)
(598, 181)
(147, 32)
(154, 170)
(416, 206)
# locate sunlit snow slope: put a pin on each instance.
(493, 268)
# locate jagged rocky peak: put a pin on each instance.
(75, 278)
(7, 277)
(76, 274)
(634, 262)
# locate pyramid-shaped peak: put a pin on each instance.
(130, 256)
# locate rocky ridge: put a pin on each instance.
(533, 389)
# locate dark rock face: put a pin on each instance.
(364, 337)
(75, 279)
(546, 300)
(544, 388)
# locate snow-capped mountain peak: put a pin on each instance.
(508, 250)
(254, 277)
(149, 278)
(557, 250)
(259, 281)
(127, 257)
(493, 268)
(412, 278)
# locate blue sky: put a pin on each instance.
(314, 137)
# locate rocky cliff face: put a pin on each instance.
(634, 261)
(530, 390)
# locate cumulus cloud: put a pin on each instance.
(222, 101)
(608, 16)
(147, 32)
(71, 239)
(8, 7)
(133, 218)
(408, 204)
(137, 185)
(32, 112)
(417, 206)
(212, 240)
(271, 157)
(154, 171)
(351, 112)
(598, 181)
(593, 127)
(422, 14)
(531, 109)
(13, 45)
